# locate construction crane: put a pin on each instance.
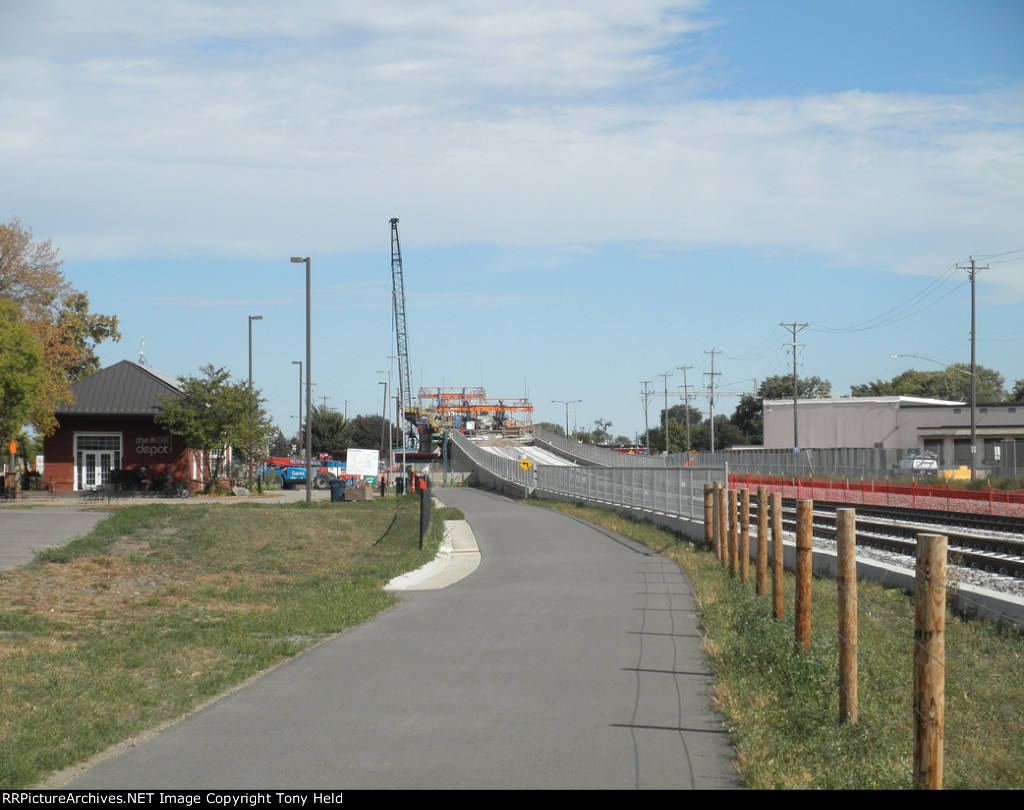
(401, 333)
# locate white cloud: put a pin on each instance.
(246, 127)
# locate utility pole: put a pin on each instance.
(972, 272)
(711, 389)
(794, 328)
(665, 376)
(686, 403)
(647, 429)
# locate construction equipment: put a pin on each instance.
(405, 406)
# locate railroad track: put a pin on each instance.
(975, 541)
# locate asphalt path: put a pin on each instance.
(24, 531)
(570, 658)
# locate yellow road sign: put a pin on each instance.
(525, 464)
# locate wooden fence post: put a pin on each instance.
(709, 528)
(744, 550)
(778, 560)
(804, 522)
(723, 526)
(846, 586)
(733, 531)
(762, 540)
(929, 660)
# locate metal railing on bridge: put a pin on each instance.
(675, 491)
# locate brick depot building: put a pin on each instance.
(110, 426)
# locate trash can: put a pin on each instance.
(337, 490)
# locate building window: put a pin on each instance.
(96, 454)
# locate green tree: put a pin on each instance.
(22, 372)
(327, 430)
(280, 445)
(781, 387)
(748, 418)
(1017, 394)
(214, 413)
(57, 314)
(365, 432)
(551, 427)
(951, 383)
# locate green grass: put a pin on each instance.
(781, 705)
(164, 606)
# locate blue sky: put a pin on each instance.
(591, 194)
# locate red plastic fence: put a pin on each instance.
(881, 493)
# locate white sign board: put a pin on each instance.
(362, 462)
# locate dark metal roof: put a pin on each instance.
(125, 388)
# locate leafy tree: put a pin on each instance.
(600, 432)
(22, 372)
(214, 413)
(280, 445)
(1017, 394)
(551, 427)
(952, 383)
(748, 418)
(327, 430)
(57, 314)
(365, 432)
(781, 387)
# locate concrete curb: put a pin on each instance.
(457, 558)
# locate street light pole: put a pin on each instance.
(309, 375)
(251, 319)
(567, 403)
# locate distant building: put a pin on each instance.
(940, 427)
(110, 425)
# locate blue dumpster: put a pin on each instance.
(337, 490)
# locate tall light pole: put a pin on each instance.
(251, 319)
(567, 403)
(387, 416)
(309, 375)
(299, 417)
(400, 407)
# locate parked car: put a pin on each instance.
(920, 466)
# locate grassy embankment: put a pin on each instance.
(781, 706)
(164, 606)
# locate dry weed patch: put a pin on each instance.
(164, 606)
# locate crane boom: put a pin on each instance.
(401, 330)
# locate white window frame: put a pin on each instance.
(79, 484)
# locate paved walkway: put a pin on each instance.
(24, 531)
(569, 658)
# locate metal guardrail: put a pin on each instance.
(600, 456)
(676, 491)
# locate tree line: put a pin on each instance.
(689, 429)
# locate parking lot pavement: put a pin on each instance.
(25, 531)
